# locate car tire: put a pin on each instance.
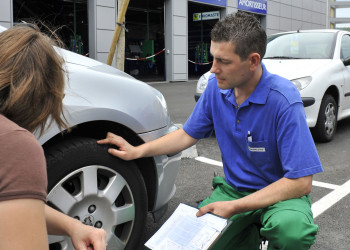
(326, 125)
(89, 184)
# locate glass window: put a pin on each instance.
(345, 47)
(301, 45)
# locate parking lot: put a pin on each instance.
(330, 194)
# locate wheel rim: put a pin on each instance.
(330, 119)
(97, 196)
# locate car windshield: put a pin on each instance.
(300, 45)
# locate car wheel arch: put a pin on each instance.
(326, 125)
(98, 130)
(334, 92)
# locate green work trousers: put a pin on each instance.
(285, 225)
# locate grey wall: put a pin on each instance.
(282, 15)
(6, 10)
(102, 16)
(176, 42)
(286, 15)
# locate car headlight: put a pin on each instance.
(302, 83)
(202, 84)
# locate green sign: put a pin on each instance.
(206, 16)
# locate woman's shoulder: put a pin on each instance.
(12, 134)
(8, 126)
(22, 161)
(18, 139)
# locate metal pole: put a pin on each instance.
(147, 19)
(75, 22)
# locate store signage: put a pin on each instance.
(255, 6)
(213, 2)
(206, 15)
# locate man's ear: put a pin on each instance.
(254, 59)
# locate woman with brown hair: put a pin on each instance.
(32, 84)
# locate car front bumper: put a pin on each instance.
(167, 167)
(196, 96)
(308, 101)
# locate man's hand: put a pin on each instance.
(125, 151)
(88, 238)
(220, 208)
(280, 190)
(171, 143)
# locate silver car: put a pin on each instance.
(87, 183)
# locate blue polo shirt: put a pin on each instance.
(264, 139)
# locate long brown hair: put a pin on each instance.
(32, 79)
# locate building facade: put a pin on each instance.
(337, 16)
(178, 31)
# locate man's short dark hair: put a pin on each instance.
(244, 30)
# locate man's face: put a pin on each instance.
(229, 70)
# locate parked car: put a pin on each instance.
(317, 62)
(201, 85)
(87, 183)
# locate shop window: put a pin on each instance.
(68, 19)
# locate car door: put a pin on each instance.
(345, 53)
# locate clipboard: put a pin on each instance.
(184, 230)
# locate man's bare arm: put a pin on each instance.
(168, 144)
(283, 189)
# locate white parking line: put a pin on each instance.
(208, 161)
(319, 206)
(330, 199)
(324, 185)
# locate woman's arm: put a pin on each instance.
(83, 236)
(22, 224)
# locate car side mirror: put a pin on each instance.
(346, 61)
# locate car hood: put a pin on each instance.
(96, 91)
(76, 59)
(294, 69)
